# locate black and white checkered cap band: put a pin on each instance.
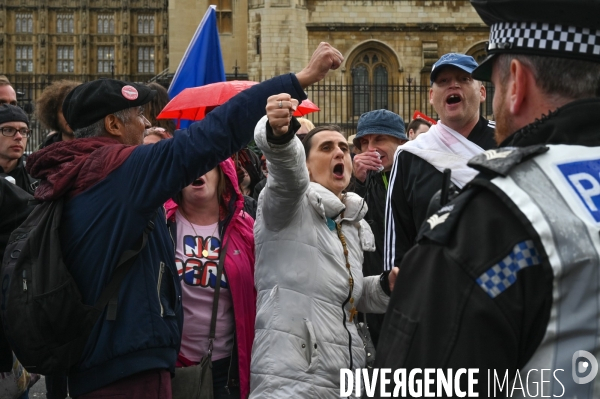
(542, 37)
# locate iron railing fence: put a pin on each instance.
(340, 103)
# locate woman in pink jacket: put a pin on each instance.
(204, 218)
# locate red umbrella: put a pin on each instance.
(194, 103)
(306, 107)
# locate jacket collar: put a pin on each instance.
(574, 123)
(328, 205)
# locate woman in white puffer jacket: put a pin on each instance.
(308, 289)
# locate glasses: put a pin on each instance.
(11, 131)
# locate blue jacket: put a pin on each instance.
(114, 190)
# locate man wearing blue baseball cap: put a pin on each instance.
(506, 278)
(418, 168)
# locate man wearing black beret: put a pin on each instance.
(14, 129)
(113, 186)
(506, 278)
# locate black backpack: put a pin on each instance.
(45, 321)
(14, 209)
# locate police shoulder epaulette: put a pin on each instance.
(439, 226)
(501, 160)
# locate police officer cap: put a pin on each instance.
(553, 28)
(92, 101)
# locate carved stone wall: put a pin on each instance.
(417, 32)
(277, 38)
(280, 35)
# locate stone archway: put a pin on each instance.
(478, 51)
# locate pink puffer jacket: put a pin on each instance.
(239, 266)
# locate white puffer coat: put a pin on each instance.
(302, 336)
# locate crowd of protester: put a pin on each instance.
(465, 243)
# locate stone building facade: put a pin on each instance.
(406, 35)
(269, 37)
(389, 46)
(46, 40)
(42, 41)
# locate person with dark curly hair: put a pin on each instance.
(49, 111)
(153, 108)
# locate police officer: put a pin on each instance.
(506, 278)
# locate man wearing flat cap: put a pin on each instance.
(506, 278)
(417, 174)
(378, 135)
(113, 187)
(14, 129)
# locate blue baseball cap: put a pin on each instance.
(464, 62)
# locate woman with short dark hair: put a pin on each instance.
(310, 236)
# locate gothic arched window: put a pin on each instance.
(370, 80)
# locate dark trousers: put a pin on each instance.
(151, 384)
(56, 386)
(222, 388)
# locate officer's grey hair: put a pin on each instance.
(97, 129)
(560, 78)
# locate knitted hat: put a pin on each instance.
(12, 113)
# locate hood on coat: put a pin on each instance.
(233, 198)
(328, 205)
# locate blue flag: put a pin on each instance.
(202, 62)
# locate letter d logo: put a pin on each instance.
(581, 367)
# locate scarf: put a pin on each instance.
(443, 148)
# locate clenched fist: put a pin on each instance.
(280, 108)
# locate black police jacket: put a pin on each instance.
(438, 316)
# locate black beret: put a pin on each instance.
(552, 28)
(92, 101)
(12, 113)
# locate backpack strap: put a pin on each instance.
(110, 295)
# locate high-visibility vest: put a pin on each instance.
(558, 193)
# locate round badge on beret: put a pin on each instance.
(129, 92)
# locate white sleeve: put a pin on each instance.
(287, 181)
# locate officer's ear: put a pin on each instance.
(520, 81)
